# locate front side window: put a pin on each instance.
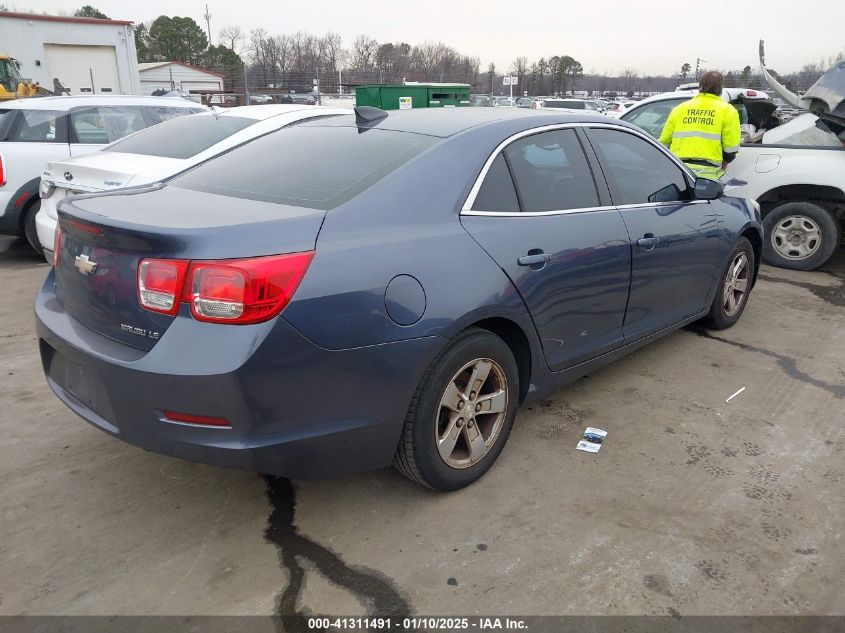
(38, 126)
(636, 171)
(100, 125)
(551, 172)
(652, 117)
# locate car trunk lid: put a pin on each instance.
(105, 237)
(103, 171)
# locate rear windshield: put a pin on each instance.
(183, 137)
(314, 167)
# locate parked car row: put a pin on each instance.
(35, 131)
(207, 315)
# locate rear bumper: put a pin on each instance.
(45, 222)
(296, 410)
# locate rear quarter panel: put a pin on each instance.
(407, 224)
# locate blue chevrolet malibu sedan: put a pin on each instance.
(378, 288)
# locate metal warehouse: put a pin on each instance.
(178, 76)
(84, 55)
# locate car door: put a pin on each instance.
(675, 239)
(30, 138)
(541, 213)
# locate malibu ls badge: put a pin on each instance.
(139, 331)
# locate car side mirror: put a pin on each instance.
(706, 189)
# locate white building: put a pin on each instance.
(178, 76)
(86, 55)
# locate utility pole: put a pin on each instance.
(207, 17)
(698, 61)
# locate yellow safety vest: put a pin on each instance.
(699, 130)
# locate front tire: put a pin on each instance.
(29, 230)
(799, 236)
(461, 414)
(734, 288)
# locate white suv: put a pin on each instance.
(37, 130)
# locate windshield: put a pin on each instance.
(308, 166)
(183, 137)
(571, 105)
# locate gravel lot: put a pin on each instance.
(693, 506)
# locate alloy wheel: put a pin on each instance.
(471, 413)
(736, 284)
(796, 237)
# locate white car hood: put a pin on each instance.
(102, 171)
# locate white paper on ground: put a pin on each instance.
(586, 445)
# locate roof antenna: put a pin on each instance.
(368, 114)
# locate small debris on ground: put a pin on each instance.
(735, 395)
(592, 440)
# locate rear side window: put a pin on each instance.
(497, 192)
(551, 172)
(636, 171)
(315, 167)
(34, 126)
(99, 125)
(183, 137)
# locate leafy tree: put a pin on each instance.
(88, 11)
(142, 41)
(177, 39)
(746, 75)
(685, 70)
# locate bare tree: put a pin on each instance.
(363, 52)
(231, 36)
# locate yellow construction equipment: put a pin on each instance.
(12, 86)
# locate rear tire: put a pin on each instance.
(799, 236)
(29, 230)
(734, 288)
(461, 414)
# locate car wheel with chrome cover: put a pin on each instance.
(461, 414)
(732, 294)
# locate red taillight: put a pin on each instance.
(244, 290)
(2, 170)
(751, 93)
(57, 245)
(189, 418)
(236, 291)
(160, 283)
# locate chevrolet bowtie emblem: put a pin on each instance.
(84, 265)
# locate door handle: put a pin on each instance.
(647, 242)
(534, 259)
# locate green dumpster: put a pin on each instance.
(412, 95)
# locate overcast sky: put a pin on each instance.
(653, 36)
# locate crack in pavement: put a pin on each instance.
(372, 589)
(789, 365)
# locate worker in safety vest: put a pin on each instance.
(704, 131)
